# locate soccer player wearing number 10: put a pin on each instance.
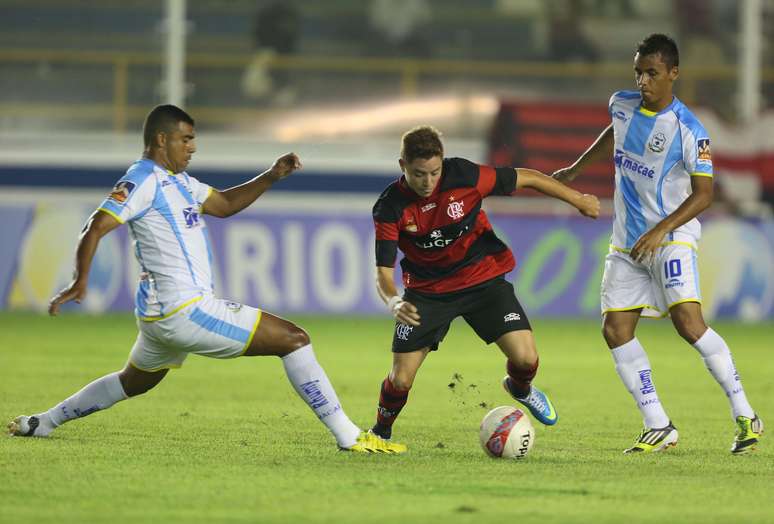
(454, 265)
(663, 180)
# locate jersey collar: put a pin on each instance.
(648, 112)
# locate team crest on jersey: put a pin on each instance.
(455, 210)
(122, 191)
(657, 142)
(233, 306)
(191, 217)
(703, 150)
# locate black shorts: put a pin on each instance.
(491, 309)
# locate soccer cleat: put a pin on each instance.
(384, 432)
(369, 442)
(654, 440)
(536, 402)
(747, 435)
(24, 426)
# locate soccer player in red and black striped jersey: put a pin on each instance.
(454, 265)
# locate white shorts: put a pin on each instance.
(670, 278)
(210, 326)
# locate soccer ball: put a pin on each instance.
(506, 432)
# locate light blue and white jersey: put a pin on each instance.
(163, 212)
(656, 154)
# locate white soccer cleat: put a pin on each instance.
(32, 426)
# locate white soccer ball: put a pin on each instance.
(507, 432)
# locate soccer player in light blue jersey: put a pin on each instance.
(663, 181)
(176, 307)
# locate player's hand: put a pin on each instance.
(403, 311)
(565, 175)
(285, 165)
(589, 206)
(75, 291)
(646, 246)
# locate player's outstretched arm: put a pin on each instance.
(403, 311)
(98, 225)
(601, 149)
(699, 200)
(588, 205)
(233, 200)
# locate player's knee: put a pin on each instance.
(135, 384)
(616, 335)
(691, 331)
(402, 381)
(296, 338)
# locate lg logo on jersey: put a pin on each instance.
(437, 239)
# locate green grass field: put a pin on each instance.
(228, 441)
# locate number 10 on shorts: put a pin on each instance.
(672, 268)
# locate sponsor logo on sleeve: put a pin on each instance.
(704, 153)
(121, 191)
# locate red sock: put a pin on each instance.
(391, 401)
(521, 378)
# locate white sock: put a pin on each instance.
(717, 357)
(98, 395)
(633, 367)
(312, 384)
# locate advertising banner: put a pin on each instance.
(295, 255)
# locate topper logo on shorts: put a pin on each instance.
(510, 317)
(121, 191)
(313, 393)
(403, 331)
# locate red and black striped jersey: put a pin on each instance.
(446, 239)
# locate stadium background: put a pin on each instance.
(521, 83)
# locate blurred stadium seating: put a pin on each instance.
(519, 82)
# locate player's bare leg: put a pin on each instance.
(689, 323)
(633, 366)
(279, 337)
(522, 365)
(96, 396)
(395, 389)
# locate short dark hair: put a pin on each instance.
(421, 142)
(663, 45)
(163, 119)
